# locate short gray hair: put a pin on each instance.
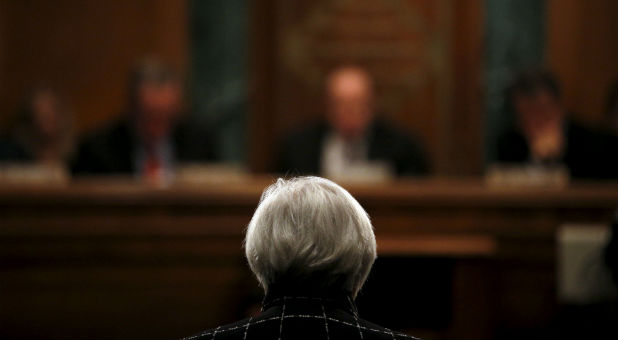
(309, 229)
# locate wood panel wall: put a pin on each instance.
(84, 48)
(582, 48)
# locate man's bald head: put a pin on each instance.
(350, 101)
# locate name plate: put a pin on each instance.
(36, 174)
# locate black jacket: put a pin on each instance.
(295, 317)
(12, 152)
(588, 154)
(111, 151)
(301, 153)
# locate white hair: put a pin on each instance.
(309, 229)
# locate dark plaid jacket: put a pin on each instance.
(302, 317)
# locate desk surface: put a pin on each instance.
(463, 192)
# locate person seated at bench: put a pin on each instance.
(546, 134)
(153, 137)
(351, 136)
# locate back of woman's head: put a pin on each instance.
(310, 231)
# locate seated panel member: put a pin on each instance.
(42, 134)
(351, 136)
(311, 246)
(546, 136)
(151, 139)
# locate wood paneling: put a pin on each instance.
(465, 142)
(582, 48)
(85, 49)
(262, 41)
(3, 68)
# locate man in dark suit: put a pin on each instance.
(351, 137)
(311, 247)
(152, 139)
(545, 135)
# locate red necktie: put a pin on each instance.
(152, 169)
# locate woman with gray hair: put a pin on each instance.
(311, 246)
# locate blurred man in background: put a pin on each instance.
(545, 135)
(152, 138)
(43, 131)
(351, 137)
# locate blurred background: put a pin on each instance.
(136, 137)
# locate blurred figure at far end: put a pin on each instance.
(152, 137)
(43, 133)
(351, 136)
(545, 134)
